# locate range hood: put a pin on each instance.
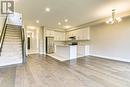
(73, 37)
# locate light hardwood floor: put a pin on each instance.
(44, 71)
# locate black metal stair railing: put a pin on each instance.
(2, 36)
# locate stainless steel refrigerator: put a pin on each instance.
(49, 45)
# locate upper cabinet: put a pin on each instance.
(59, 36)
(80, 34)
(49, 33)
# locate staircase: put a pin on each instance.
(12, 46)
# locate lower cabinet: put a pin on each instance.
(83, 50)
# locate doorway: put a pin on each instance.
(28, 42)
(49, 45)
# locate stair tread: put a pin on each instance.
(17, 37)
(11, 30)
(13, 33)
(8, 28)
(11, 58)
(8, 31)
(9, 40)
(12, 45)
(10, 25)
(13, 39)
(12, 50)
(11, 53)
(8, 35)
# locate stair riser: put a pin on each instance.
(11, 50)
(11, 54)
(10, 61)
(12, 45)
(13, 32)
(13, 38)
(13, 29)
(13, 26)
(13, 35)
(12, 42)
(7, 31)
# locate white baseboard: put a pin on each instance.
(111, 58)
(33, 53)
(43, 53)
(36, 53)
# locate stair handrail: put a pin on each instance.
(23, 45)
(2, 36)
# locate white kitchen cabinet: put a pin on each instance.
(83, 50)
(78, 34)
(59, 36)
(85, 34)
(49, 33)
(81, 34)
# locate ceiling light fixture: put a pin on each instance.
(37, 21)
(59, 23)
(67, 27)
(66, 20)
(47, 9)
(114, 19)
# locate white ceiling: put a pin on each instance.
(77, 11)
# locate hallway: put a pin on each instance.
(43, 71)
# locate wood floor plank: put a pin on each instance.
(44, 71)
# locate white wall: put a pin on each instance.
(111, 41)
(15, 19)
(34, 41)
(41, 41)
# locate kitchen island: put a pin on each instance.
(69, 52)
(66, 51)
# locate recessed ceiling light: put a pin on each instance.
(47, 9)
(37, 21)
(59, 23)
(67, 27)
(66, 20)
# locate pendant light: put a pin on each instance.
(114, 19)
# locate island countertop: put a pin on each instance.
(66, 45)
(66, 51)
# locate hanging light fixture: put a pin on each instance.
(114, 19)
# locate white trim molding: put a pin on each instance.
(111, 58)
